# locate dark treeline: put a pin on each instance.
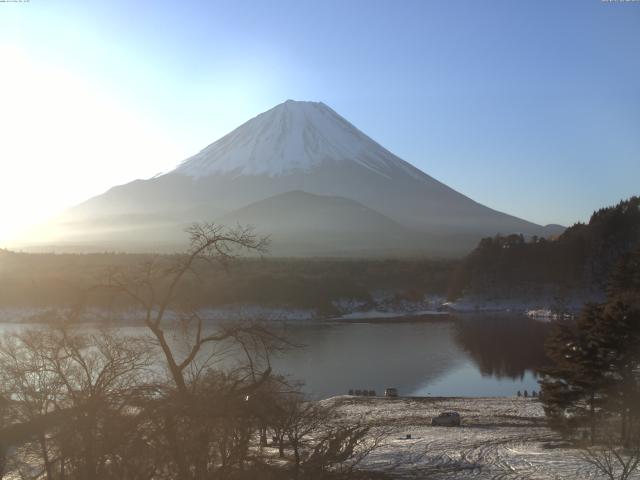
(581, 258)
(56, 280)
(593, 384)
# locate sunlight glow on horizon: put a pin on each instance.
(67, 138)
(65, 141)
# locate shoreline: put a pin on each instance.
(499, 437)
(126, 317)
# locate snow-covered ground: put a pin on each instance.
(547, 315)
(382, 305)
(519, 304)
(500, 438)
(378, 315)
(22, 314)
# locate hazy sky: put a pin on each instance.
(529, 107)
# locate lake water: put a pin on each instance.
(467, 355)
(464, 356)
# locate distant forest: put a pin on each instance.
(55, 280)
(581, 258)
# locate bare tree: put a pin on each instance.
(340, 449)
(154, 285)
(203, 420)
(301, 420)
(612, 461)
(271, 402)
(32, 390)
(4, 414)
(68, 388)
(323, 443)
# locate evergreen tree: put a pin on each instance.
(572, 390)
(625, 278)
(618, 330)
(582, 257)
(596, 359)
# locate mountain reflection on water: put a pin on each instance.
(468, 356)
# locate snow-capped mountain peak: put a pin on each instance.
(292, 136)
(306, 175)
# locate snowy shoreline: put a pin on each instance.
(500, 437)
(381, 309)
(376, 315)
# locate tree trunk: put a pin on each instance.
(296, 456)
(45, 456)
(175, 371)
(263, 436)
(3, 459)
(281, 447)
(592, 415)
(176, 448)
(623, 427)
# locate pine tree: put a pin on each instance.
(596, 359)
(625, 278)
(572, 390)
(619, 332)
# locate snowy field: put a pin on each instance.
(500, 438)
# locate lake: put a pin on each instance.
(465, 355)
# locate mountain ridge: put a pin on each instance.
(308, 147)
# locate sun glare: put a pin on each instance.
(63, 141)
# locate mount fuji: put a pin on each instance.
(304, 175)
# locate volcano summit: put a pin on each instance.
(304, 175)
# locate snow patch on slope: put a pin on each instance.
(292, 136)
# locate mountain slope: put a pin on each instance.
(304, 223)
(307, 147)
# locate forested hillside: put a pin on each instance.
(579, 259)
(55, 280)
